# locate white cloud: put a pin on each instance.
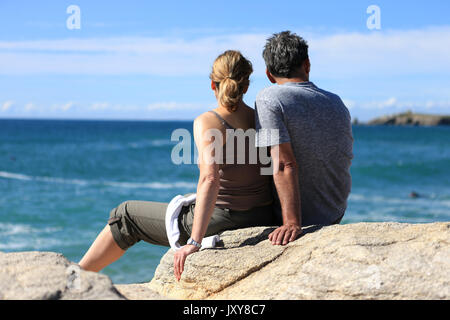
(29, 107)
(350, 104)
(67, 106)
(7, 105)
(384, 104)
(340, 55)
(100, 106)
(107, 109)
(174, 106)
(363, 109)
(131, 55)
(382, 53)
(353, 62)
(393, 103)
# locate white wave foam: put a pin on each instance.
(150, 143)
(20, 236)
(130, 185)
(425, 200)
(17, 176)
(60, 180)
(32, 244)
(445, 203)
(151, 185)
(10, 229)
(377, 199)
(16, 245)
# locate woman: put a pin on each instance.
(229, 196)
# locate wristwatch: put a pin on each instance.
(193, 242)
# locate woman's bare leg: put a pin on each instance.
(102, 252)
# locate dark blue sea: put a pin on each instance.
(60, 179)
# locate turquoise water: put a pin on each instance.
(60, 179)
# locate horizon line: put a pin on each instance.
(93, 119)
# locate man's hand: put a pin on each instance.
(285, 234)
(180, 257)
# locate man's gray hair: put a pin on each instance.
(284, 53)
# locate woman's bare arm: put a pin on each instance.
(208, 183)
(209, 142)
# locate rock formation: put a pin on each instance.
(410, 118)
(50, 276)
(355, 261)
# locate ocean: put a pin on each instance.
(59, 179)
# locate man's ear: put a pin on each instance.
(307, 66)
(270, 77)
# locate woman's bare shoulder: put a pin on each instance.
(207, 120)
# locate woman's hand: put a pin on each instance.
(180, 257)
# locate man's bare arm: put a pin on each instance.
(286, 182)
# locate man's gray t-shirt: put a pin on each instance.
(318, 126)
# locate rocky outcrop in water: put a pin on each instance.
(412, 119)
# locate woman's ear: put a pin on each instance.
(270, 76)
(213, 86)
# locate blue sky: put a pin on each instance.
(151, 60)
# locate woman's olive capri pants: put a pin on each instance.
(133, 221)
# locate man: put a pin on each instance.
(312, 151)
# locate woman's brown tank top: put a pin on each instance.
(242, 186)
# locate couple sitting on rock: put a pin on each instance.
(311, 154)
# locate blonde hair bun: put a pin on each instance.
(231, 72)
